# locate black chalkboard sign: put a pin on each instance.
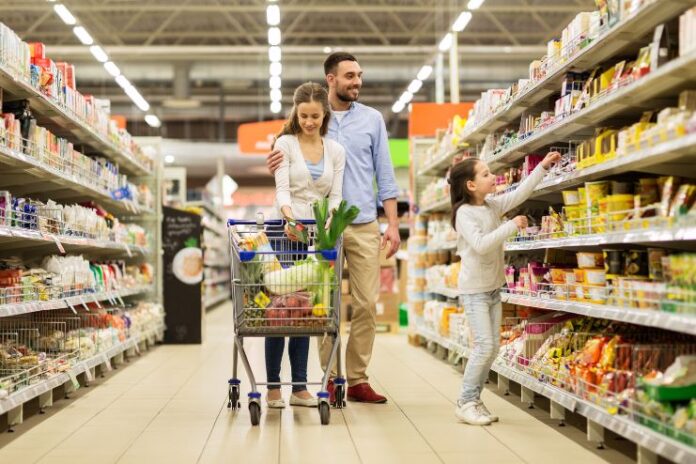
(183, 274)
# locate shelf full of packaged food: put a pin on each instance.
(24, 395)
(606, 46)
(440, 206)
(682, 323)
(673, 76)
(216, 300)
(26, 307)
(22, 174)
(63, 124)
(446, 292)
(674, 157)
(650, 235)
(12, 238)
(639, 434)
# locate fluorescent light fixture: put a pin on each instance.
(461, 22)
(83, 35)
(445, 43)
(112, 69)
(169, 159)
(65, 14)
(406, 97)
(153, 121)
(123, 82)
(138, 99)
(415, 86)
(276, 95)
(327, 50)
(274, 82)
(99, 53)
(276, 106)
(424, 73)
(474, 4)
(273, 15)
(275, 68)
(274, 54)
(398, 107)
(273, 36)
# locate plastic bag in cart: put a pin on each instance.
(293, 310)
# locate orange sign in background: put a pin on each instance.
(426, 118)
(256, 138)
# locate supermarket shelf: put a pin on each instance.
(674, 234)
(678, 73)
(650, 318)
(70, 302)
(218, 264)
(218, 281)
(676, 156)
(63, 124)
(216, 230)
(206, 206)
(25, 175)
(642, 436)
(613, 41)
(438, 207)
(447, 246)
(438, 165)
(27, 394)
(213, 301)
(13, 238)
(447, 292)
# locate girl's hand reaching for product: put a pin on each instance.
(521, 222)
(551, 159)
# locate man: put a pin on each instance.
(363, 134)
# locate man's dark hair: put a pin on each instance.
(333, 60)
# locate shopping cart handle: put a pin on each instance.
(270, 222)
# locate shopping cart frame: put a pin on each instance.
(238, 258)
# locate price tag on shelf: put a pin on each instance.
(128, 250)
(56, 240)
(84, 305)
(96, 301)
(88, 374)
(72, 308)
(107, 364)
(136, 346)
(73, 380)
(120, 300)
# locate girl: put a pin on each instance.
(312, 169)
(481, 234)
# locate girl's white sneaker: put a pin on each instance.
(471, 414)
(484, 410)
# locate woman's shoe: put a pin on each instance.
(275, 404)
(305, 402)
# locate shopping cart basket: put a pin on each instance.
(283, 288)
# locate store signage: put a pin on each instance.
(256, 138)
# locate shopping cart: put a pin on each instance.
(282, 288)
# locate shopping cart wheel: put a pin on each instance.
(340, 397)
(233, 402)
(255, 413)
(324, 413)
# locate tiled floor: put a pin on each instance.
(170, 406)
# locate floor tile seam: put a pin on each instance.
(210, 433)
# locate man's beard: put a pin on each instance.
(344, 97)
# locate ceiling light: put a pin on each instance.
(415, 86)
(445, 43)
(274, 54)
(83, 35)
(169, 159)
(273, 15)
(276, 95)
(274, 82)
(273, 36)
(474, 4)
(276, 107)
(406, 97)
(112, 69)
(398, 107)
(123, 82)
(461, 22)
(138, 99)
(67, 17)
(99, 53)
(153, 121)
(275, 68)
(424, 73)
(327, 50)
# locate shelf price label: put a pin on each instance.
(128, 250)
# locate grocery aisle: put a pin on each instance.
(170, 406)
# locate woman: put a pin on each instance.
(312, 169)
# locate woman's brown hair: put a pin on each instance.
(306, 93)
(460, 194)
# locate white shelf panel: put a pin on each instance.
(27, 394)
(682, 323)
(678, 72)
(74, 301)
(209, 303)
(438, 207)
(63, 124)
(10, 237)
(613, 41)
(643, 436)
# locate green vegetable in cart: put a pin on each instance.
(292, 279)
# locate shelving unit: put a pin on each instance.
(675, 156)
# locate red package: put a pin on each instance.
(37, 50)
